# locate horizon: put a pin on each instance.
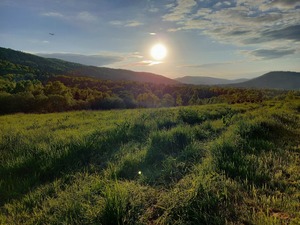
(209, 77)
(233, 39)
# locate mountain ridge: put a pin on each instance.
(44, 68)
(53, 66)
(287, 80)
(205, 80)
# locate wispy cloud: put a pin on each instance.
(83, 16)
(211, 65)
(116, 22)
(142, 63)
(179, 12)
(133, 23)
(153, 10)
(150, 62)
(128, 23)
(100, 59)
(241, 22)
(270, 53)
(289, 4)
(53, 14)
(86, 17)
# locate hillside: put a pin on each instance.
(274, 80)
(35, 63)
(213, 164)
(199, 80)
(42, 68)
(120, 74)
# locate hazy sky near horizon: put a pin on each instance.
(225, 39)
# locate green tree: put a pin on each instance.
(57, 103)
(56, 88)
(128, 99)
(147, 100)
(179, 101)
(6, 86)
(24, 86)
(167, 100)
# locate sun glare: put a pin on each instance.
(158, 52)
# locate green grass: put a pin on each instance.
(215, 164)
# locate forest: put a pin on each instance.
(33, 84)
(25, 93)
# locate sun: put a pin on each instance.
(158, 51)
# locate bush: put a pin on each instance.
(109, 103)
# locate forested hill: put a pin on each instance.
(30, 83)
(275, 80)
(36, 67)
(104, 73)
(23, 63)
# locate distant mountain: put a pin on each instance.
(48, 67)
(273, 80)
(207, 80)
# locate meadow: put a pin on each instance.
(210, 164)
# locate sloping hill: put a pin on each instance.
(37, 63)
(105, 73)
(46, 67)
(206, 80)
(274, 80)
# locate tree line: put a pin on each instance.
(63, 93)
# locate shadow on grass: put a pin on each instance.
(39, 167)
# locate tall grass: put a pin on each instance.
(115, 204)
(216, 164)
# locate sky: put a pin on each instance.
(225, 39)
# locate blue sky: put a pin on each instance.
(226, 39)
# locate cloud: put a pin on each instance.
(92, 60)
(116, 22)
(83, 16)
(128, 23)
(183, 8)
(143, 63)
(153, 10)
(86, 17)
(289, 33)
(133, 23)
(270, 53)
(285, 3)
(211, 65)
(150, 62)
(240, 22)
(53, 14)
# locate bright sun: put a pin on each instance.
(158, 52)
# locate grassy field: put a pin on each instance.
(214, 164)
